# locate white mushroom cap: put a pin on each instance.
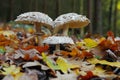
(32, 17)
(58, 40)
(72, 19)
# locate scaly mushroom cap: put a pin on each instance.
(72, 19)
(58, 40)
(32, 17)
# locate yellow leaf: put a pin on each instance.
(62, 63)
(77, 71)
(49, 62)
(101, 39)
(90, 43)
(80, 43)
(17, 76)
(73, 66)
(104, 62)
(98, 71)
(13, 70)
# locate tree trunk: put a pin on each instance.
(57, 8)
(73, 10)
(44, 6)
(115, 18)
(10, 10)
(36, 5)
(81, 6)
(97, 28)
(73, 5)
(81, 12)
(24, 3)
(89, 7)
(110, 15)
(99, 17)
(30, 5)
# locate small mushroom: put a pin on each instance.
(38, 19)
(57, 40)
(69, 20)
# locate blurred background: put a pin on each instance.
(104, 14)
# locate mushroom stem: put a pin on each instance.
(38, 30)
(82, 32)
(65, 30)
(57, 47)
(40, 41)
(29, 38)
(37, 27)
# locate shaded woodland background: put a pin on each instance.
(104, 14)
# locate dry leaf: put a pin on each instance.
(12, 69)
(64, 65)
(104, 62)
(49, 62)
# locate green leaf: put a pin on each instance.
(49, 62)
(2, 50)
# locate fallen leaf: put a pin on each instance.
(90, 43)
(64, 65)
(49, 62)
(2, 50)
(98, 71)
(103, 62)
(12, 69)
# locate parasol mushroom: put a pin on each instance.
(70, 20)
(57, 40)
(38, 19)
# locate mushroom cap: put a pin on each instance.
(32, 17)
(58, 40)
(72, 19)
